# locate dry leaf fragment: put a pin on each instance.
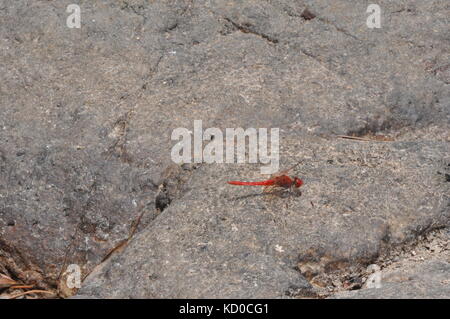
(6, 282)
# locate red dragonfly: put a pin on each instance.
(280, 180)
(283, 181)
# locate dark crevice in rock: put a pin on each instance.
(248, 28)
(162, 200)
(322, 271)
(447, 177)
(134, 229)
(172, 183)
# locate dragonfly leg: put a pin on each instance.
(295, 191)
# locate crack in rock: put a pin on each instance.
(248, 28)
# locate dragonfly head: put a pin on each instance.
(297, 182)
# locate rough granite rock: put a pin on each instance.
(86, 117)
(425, 281)
(222, 240)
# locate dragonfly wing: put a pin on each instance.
(273, 191)
(286, 171)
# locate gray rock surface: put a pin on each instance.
(221, 240)
(420, 269)
(86, 117)
(428, 280)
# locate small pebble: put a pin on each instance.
(372, 268)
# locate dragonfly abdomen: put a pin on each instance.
(263, 183)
